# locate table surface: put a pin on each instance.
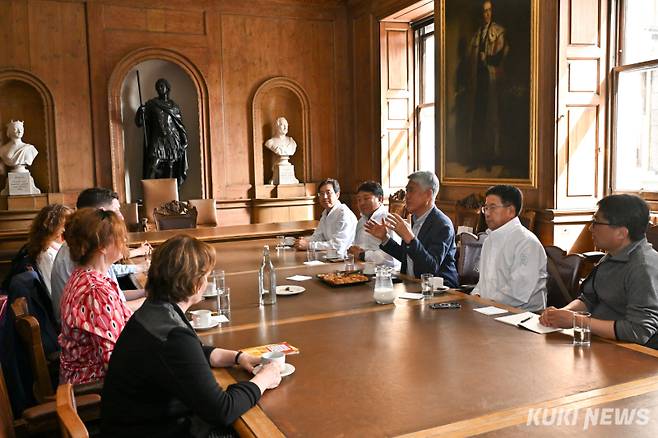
(385, 370)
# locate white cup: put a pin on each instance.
(201, 318)
(369, 268)
(437, 283)
(276, 357)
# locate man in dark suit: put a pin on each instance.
(428, 243)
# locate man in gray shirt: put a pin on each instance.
(621, 293)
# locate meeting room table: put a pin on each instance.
(405, 369)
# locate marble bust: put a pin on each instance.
(283, 146)
(16, 155)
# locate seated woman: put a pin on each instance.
(92, 311)
(160, 382)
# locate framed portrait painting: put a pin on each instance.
(487, 118)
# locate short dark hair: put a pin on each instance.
(331, 181)
(628, 211)
(371, 187)
(96, 197)
(178, 268)
(509, 195)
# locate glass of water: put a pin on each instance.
(426, 285)
(224, 303)
(582, 333)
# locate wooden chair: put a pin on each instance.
(157, 192)
(29, 331)
(563, 281)
(67, 413)
(396, 203)
(130, 212)
(175, 215)
(468, 262)
(207, 211)
(470, 217)
(652, 236)
(528, 218)
(41, 419)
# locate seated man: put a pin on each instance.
(513, 261)
(621, 293)
(63, 266)
(428, 244)
(369, 198)
(337, 223)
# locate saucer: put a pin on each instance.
(288, 371)
(210, 295)
(289, 290)
(442, 288)
(214, 322)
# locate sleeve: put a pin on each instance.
(191, 379)
(587, 293)
(342, 233)
(123, 270)
(393, 248)
(429, 257)
(380, 256)
(641, 321)
(527, 268)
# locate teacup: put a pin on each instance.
(201, 318)
(437, 283)
(369, 268)
(276, 357)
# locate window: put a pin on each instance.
(424, 95)
(635, 94)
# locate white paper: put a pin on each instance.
(411, 296)
(491, 310)
(219, 318)
(464, 229)
(314, 263)
(299, 278)
(529, 321)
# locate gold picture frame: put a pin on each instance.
(492, 63)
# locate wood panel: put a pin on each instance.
(581, 103)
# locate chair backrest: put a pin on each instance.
(468, 263)
(19, 307)
(157, 192)
(67, 413)
(563, 281)
(469, 217)
(29, 332)
(396, 203)
(6, 414)
(528, 218)
(130, 212)
(206, 211)
(652, 236)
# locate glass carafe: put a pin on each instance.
(384, 292)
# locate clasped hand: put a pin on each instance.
(393, 222)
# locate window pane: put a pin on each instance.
(636, 148)
(426, 149)
(640, 39)
(428, 70)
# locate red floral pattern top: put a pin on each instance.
(93, 316)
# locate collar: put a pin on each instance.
(368, 216)
(336, 205)
(625, 254)
(422, 218)
(505, 229)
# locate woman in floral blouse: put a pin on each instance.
(93, 312)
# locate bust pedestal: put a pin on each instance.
(283, 172)
(20, 183)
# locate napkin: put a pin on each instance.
(314, 263)
(299, 278)
(490, 310)
(411, 296)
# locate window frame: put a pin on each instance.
(419, 91)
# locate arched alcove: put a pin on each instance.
(25, 97)
(184, 94)
(277, 97)
(188, 90)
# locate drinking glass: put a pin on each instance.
(311, 252)
(426, 285)
(224, 303)
(582, 333)
(349, 263)
(280, 242)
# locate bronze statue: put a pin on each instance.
(165, 138)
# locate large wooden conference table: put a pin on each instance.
(404, 369)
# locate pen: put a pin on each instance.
(527, 319)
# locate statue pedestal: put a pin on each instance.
(283, 172)
(20, 183)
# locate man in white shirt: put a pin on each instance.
(369, 198)
(337, 223)
(513, 261)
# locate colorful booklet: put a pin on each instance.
(283, 347)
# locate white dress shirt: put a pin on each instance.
(417, 224)
(513, 267)
(336, 228)
(45, 262)
(370, 244)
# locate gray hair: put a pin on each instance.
(426, 180)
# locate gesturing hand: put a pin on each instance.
(376, 229)
(403, 228)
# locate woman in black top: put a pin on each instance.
(159, 382)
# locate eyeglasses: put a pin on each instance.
(325, 194)
(593, 222)
(486, 208)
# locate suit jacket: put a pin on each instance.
(432, 250)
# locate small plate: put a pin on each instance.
(214, 322)
(289, 290)
(442, 288)
(290, 368)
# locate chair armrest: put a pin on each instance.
(43, 418)
(88, 388)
